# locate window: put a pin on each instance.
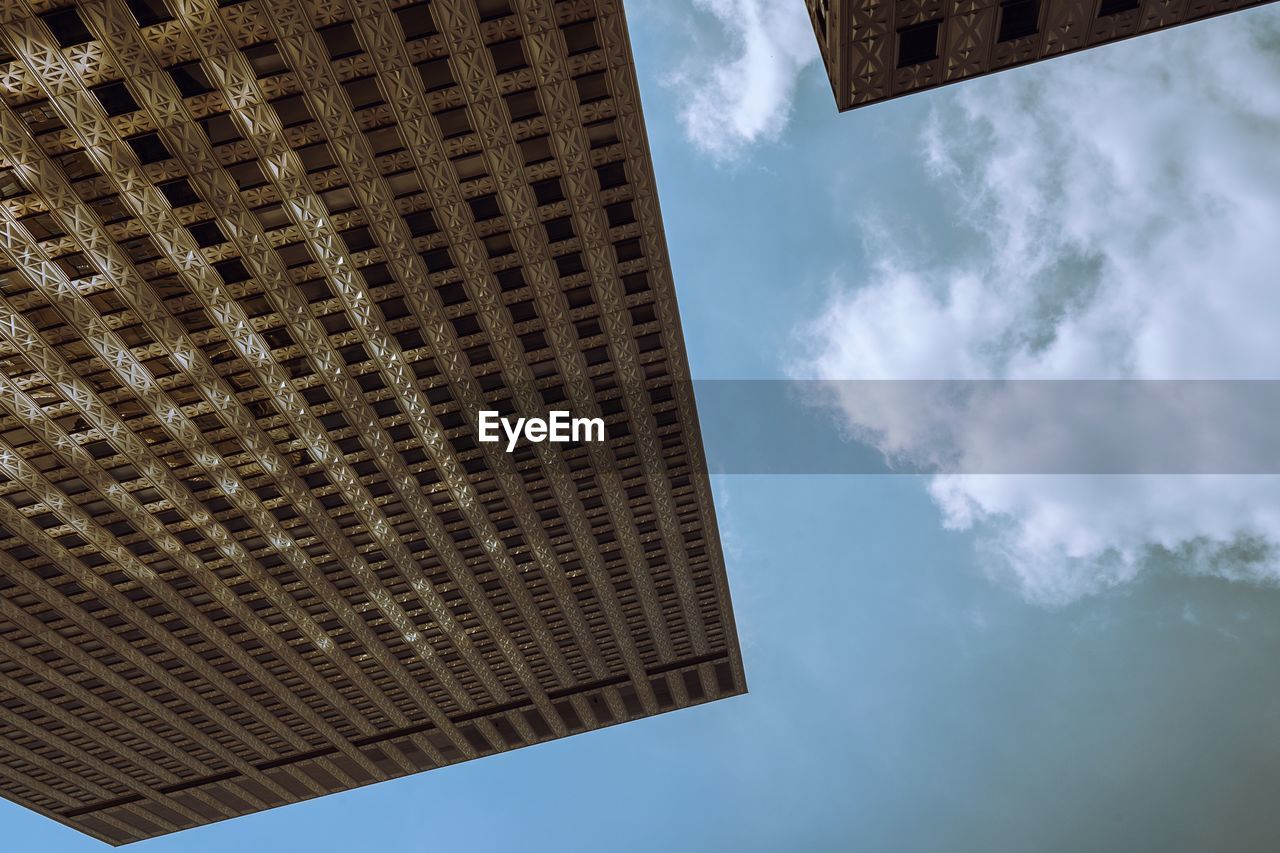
(580, 37)
(265, 59)
(190, 79)
(148, 12)
(918, 44)
(363, 93)
(611, 175)
(220, 129)
(421, 223)
(453, 122)
(548, 191)
(76, 266)
(10, 186)
(149, 148)
(179, 192)
(115, 98)
(436, 74)
(620, 214)
(42, 226)
(522, 105)
(485, 207)
(247, 175)
(67, 27)
(232, 271)
(358, 239)
(592, 87)
(508, 56)
(1018, 19)
(559, 229)
(491, 9)
(602, 133)
(1116, 7)
(206, 234)
(316, 157)
(470, 166)
(536, 150)
(438, 260)
(416, 22)
(292, 110)
(628, 250)
(341, 41)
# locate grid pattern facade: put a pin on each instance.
(262, 264)
(875, 50)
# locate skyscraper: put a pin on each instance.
(875, 50)
(264, 262)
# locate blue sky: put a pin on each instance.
(998, 665)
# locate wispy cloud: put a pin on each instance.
(736, 86)
(1125, 204)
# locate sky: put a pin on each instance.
(950, 663)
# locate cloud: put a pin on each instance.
(1123, 206)
(739, 93)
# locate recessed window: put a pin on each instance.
(508, 56)
(580, 37)
(485, 207)
(1116, 7)
(265, 59)
(549, 191)
(190, 79)
(416, 22)
(522, 105)
(436, 74)
(42, 226)
(421, 223)
(917, 44)
(628, 250)
(592, 87)
(341, 40)
(536, 150)
(148, 12)
(570, 264)
(453, 122)
(316, 157)
(559, 229)
(149, 148)
(232, 271)
(76, 266)
(338, 199)
(438, 260)
(220, 129)
(292, 110)
(611, 175)
(498, 245)
(363, 93)
(620, 214)
(1019, 19)
(358, 239)
(179, 192)
(115, 98)
(206, 234)
(491, 9)
(509, 279)
(470, 166)
(602, 133)
(247, 175)
(10, 186)
(67, 27)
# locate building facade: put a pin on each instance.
(875, 50)
(262, 265)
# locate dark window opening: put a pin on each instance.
(436, 74)
(358, 239)
(316, 157)
(620, 214)
(592, 87)
(491, 9)
(508, 56)
(76, 266)
(190, 79)
(548, 191)
(580, 37)
(918, 44)
(1116, 7)
(363, 92)
(438, 260)
(220, 129)
(1019, 19)
(265, 59)
(341, 40)
(148, 12)
(42, 226)
(628, 250)
(559, 229)
(206, 234)
(115, 98)
(485, 207)
(416, 21)
(510, 279)
(602, 133)
(421, 223)
(611, 175)
(536, 150)
(149, 148)
(522, 105)
(292, 110)
(247, 175)
(570, 264)
(453, 122)
(179, 192)
(232, 271)
(67, 27)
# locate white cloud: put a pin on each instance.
(741, 94)
(1126, 204)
